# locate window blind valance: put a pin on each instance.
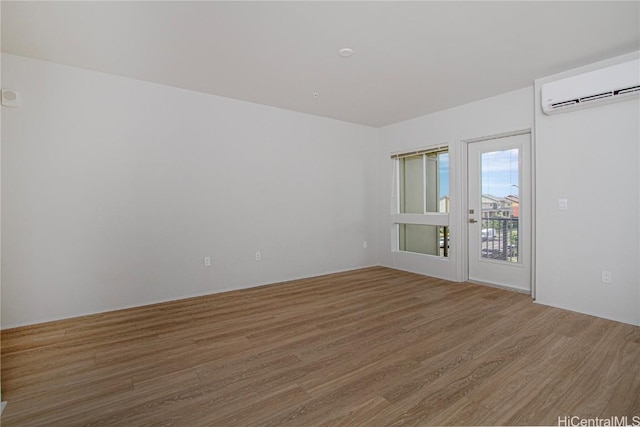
(419, 152)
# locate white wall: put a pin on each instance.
(1, 403)
(115, 189)
(590, 157)
(492, 116)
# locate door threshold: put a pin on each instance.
(505, 287)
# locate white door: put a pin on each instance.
(499, 216)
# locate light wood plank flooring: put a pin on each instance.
(372, 347)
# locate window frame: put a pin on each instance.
(438, 219)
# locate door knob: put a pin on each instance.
(472, 221)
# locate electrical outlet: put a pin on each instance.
(258, 256)
(207, 261)
(563, 204)
(607, 277)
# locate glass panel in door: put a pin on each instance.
(500, 179)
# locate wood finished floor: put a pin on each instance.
(372, 347)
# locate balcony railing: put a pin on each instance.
(500, 238)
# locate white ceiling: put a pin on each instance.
(411, 58)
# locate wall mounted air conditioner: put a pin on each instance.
(603, 86)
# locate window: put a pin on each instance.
(421, 219)
(424, 183)
(423, 239)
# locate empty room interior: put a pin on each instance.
(320, 213)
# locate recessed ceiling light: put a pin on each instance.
(345, 52)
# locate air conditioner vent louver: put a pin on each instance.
(565, 103)
(596, 97)
(633, 89)
(602, 86)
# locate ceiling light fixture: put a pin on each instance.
(345, 52)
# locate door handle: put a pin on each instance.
(472, 221)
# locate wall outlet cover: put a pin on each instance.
(10, 98)
(563, 204)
